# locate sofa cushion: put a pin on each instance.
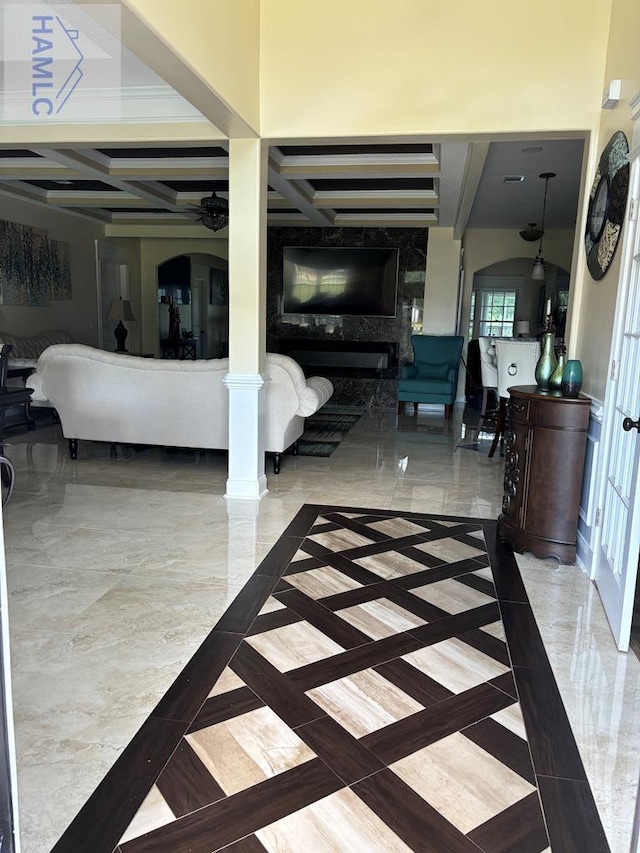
(430, 370)
(423, 386)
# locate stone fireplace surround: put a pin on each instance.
(360, 354)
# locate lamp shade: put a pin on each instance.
(537, 273)
(120, 309)
(522, 328)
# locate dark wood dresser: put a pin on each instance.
(545, 444)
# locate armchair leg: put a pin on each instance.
(294, 447)
(276, 463)
(448, 410)
(400, 406)
(415, 409)
(73, 448)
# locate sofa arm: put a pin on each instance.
(318, 390)
(35, 381)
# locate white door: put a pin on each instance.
(618, 540)
(113, 283)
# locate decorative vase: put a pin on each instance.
(572, 378)
(555, 380)
(547, 362)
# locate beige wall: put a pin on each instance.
(420, 67)
(441, 284)
(218, 41)
(598, 298)
(78, 315)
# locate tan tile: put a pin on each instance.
(452, 596)
(294, 645)
(397, 527)
(450, 550)
(249, 749)
(390, 564)
(270, 605)
(511, 718)
(300, 555)
(318, 583)
(455, 664)
(484, 573)
(364, 702)
(340, 540)
(152, 814)
(340, 822)
(463, 782)
(495, 629)
(380, 618)
(227, 681)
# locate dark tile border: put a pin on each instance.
(568, 805)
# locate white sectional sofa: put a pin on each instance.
(123, 399)
(26, 351)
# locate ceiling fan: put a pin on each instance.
(213, 211)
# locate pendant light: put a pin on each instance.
(537, 273)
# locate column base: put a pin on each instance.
(246, 489)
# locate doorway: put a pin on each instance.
(193, 306)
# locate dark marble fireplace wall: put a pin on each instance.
(412, 243)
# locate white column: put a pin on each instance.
(247, 316)
(246, 448)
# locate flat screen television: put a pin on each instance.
(333, 281)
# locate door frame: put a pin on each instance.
(629, 238)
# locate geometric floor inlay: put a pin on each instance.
(378, 685)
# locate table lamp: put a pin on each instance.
(522, 329)
(120, 310)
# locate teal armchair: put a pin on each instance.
(433, 376)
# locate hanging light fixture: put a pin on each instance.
(214, 212)
(531, 234)
(537, 273)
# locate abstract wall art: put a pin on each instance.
(33, 269)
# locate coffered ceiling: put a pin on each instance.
(452, 184)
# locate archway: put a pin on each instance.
(193, 306)
(504, 295)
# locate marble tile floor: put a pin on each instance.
(118, 569)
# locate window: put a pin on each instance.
(497, 313)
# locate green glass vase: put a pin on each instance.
(547, 362)
(555, 380)
(572, 378)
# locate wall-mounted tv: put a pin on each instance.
(333, 281)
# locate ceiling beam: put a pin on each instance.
(92, 169)
(297, 197)
(476, 157)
